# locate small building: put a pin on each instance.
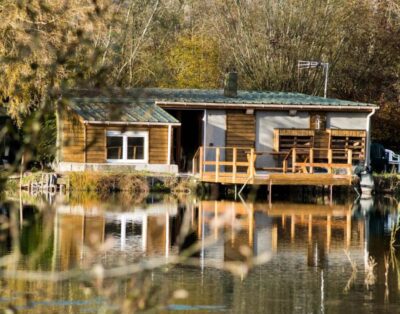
(97, 133)
(164, 129)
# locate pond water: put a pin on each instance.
(248, 257)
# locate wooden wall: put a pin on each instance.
(158, 145)
(240, 129)
(73, 148)
(72, 138)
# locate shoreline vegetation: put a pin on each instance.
(387, 183)
(138, 183)
(109, 182)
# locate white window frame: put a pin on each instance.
(125, 136)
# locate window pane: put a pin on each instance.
(135, 148)
(114, 147)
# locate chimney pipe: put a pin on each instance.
(231, 84)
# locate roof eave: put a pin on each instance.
(132, 123)
(264, 106)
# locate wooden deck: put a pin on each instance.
(234, 165)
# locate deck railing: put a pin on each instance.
(327, 159)
(224, 163)
(232, 164)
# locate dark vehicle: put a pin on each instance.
(378, 157)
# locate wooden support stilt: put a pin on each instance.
(270, 193)
(330, 160)
(294, 152)
(236, 192)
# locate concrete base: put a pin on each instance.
(76, 166)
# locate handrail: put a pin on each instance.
(223, 164)
(285, 161)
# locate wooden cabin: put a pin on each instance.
(115, 134)
(223, 135)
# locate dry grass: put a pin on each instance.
(107, 182)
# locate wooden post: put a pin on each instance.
(329, 160)
(251, 165)
(234, 167)
(284, 166)
(311, 160)
(217, 154)
(349, 160)
(194, 164)
(293, 160)
(201, 160)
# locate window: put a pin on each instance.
(128, 146)
(135, 148)
(114, 147)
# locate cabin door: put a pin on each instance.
(187, 138)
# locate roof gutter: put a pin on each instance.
(262, 106)
(132, 123)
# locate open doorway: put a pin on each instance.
(187, 138)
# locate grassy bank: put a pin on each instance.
(387, 183)
(106, 182)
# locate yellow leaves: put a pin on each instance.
(44, 43)
(194, 63)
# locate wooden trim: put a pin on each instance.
(85, 143)
(322, 165)
(169, 144)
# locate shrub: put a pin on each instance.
(107, 182)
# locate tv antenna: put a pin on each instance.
(301, 65)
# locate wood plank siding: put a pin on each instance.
(73, 141)
(240, 129)
(72, 137)
(158, 145)
(96, 143)
(240, 132)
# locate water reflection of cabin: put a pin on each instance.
(224, 136)
(222, 228)
(143, 231)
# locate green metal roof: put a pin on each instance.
(245, 97)
(124, 104)
(101, 109)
